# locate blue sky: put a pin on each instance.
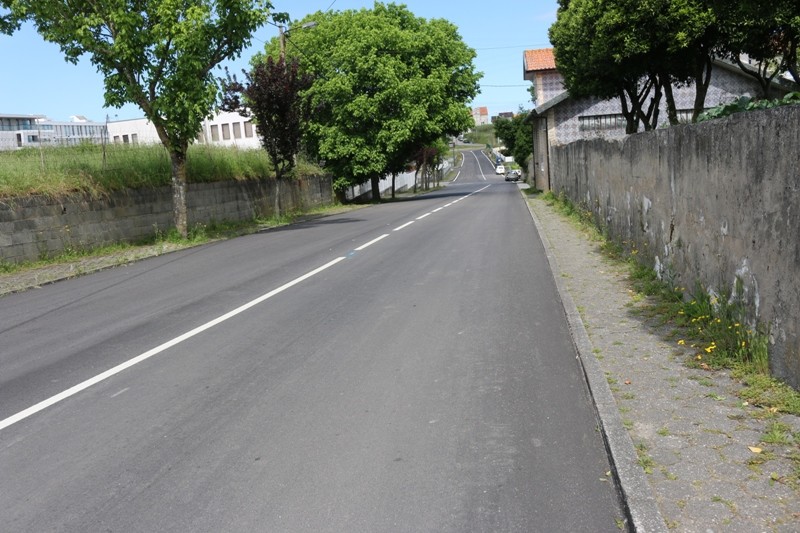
(38, 81)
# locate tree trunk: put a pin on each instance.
(179, 186)
(630, 114)
(277, 203)
(702, 82)
(376, 188)
(761, 75)
(672, 109)
(650, 117)
(394, 176)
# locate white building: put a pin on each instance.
(224, 129)
(26, 131)
(480, 116)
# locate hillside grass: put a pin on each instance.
(482, 135)
(97, 169)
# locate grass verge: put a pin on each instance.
(712, 326)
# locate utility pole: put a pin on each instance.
(282, 38)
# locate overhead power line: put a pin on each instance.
(526, 46)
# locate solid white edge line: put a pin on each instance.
(437, 209)
(403, 226)
(423, 216)
(44, 404)
(370, 243)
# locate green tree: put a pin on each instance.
(636, 50)
(595, 59)
(516, 136)
(157, 54)
(386, 84)
(767, 32)
(8, 24)
(272, 94)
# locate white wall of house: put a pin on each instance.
(230, 129)
(223, 129)
(549, 84)
(134, 131)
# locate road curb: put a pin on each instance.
(637, 496)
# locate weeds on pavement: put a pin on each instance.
(712, 326)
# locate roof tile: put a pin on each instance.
(541, 59)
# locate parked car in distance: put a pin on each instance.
(513, 175)
(500, 169)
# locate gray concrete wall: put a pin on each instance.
(713, 202)
(35, 227)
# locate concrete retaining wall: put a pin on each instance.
(34, 227)
(715, 202)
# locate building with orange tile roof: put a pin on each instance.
(480, 115)
(559, 119)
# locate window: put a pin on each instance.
(214, 132)
(226, 131)
(116, 139)
(248, 129)
(135, 138)
(237, 130)
(685, 116)
(125, 139)
(33, 138)
(602, 122)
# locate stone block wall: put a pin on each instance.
(711, 203)
(36, 226)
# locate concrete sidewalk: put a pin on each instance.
(679, 438)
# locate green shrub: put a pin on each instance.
(745, 103)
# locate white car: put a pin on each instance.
(500, 169)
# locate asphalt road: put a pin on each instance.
(404, 367)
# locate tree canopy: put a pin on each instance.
(272, 95)
(157, 54)
(597, 57)
(767, 32)
(516, 136)
(386, 83)
(638, 50)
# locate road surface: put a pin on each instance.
(404, 367)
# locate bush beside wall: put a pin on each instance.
(712, 203)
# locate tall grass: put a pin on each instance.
(95, 169)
